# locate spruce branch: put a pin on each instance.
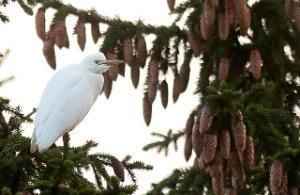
(165, 142)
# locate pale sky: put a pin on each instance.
(116, 124)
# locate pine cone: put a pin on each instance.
(40, 23)
(95, 31)
(205, 28)
(118, 168)
(229, 11)
(296, 12)
(153, 71)
(164, 93)
(205, 119)
(48, 48)
(188, 147)
(177, 87)
(230, 191)
(171, 4)
(197, 139)
(151, 92)
(121, 69)
(128, 50)
(214, 3)
(184, 75)
(188, 130)
(276, 176)
(288, 9)
(80, 31)
(201, 162)
(284, 183)
(209, 147)
(255, 63)
(195, 42)
(113, 70)
(239, 176)
(239, 11)
(141, 50)
(107, 86)
(147, 109)
(248, 153)
(223, 26)
(218, 185)
(245, 24)
(239, 135)
(135, 72)
(60, 34)
(223, 69)
(216, 166)
(208, 13)
(225, 144)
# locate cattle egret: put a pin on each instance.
(67, 99)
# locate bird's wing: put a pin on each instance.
(66, 100)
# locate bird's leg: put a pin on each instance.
(66, 140)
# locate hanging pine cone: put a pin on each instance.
(296, 14)
(225, 144)
(164, 93)
(205, 119)
(177, 87)
(230, 191)
(255, 63)
(195, 42)
(188, 130)
(107, 86)
(288, 9)
(80, 31)
(240, 7)
(214, 3)
(239, 176)
(229, 11)
(151, 92)
(216, 166)
(128, 50)
(245, 24)
(95, 31)
(153, 71)
(223, 69)
(201, 162)
(121, 69)
(184, 75)
(135, 72)
(205, 28)
(223, 26)
(209, 147)
(218, 185)
(197, 139)
(171, 4)
(48, 48)
(141, 50)
(208, 13)
(118, 168)
(276, 176)
(40, 23)
(284, 183)
(147, 109)
(113, 70)
(60, 34)
(248, 153)
(188, 147)
(239, 135)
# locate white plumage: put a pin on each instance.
(67, 99)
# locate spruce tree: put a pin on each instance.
(244, 132)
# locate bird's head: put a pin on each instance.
(97, 63)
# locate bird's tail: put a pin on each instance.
(34, 147)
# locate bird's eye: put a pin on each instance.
(98, 61)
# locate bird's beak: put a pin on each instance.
(110, 62)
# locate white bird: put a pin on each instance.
(67, 99)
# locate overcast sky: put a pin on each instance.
(116, 124)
